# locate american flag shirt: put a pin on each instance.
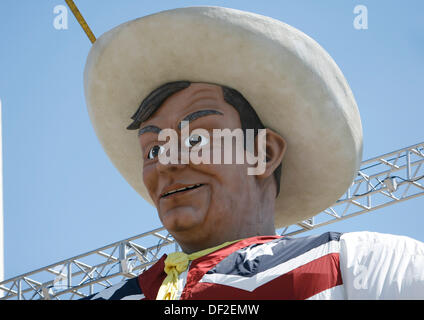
(332, 265)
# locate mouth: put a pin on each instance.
(176, 190)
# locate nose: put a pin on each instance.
(162, 167)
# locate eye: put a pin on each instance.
(196, 140)
(155, 151)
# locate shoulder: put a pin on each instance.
(142, 287)
(281, 268)
(382, 266)
(377, 237)
(124, 290)
(355, 246)
(280, 252)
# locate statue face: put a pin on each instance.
(221, 200)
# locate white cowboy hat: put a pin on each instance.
(293, 84)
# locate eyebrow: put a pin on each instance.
(191, 117)
(198, 114)
(153, 129)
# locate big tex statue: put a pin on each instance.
(202, 74)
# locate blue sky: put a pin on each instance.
(63, 197)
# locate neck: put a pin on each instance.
(247, 231)
(250, 219)
(192, 249)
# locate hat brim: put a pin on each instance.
(293, 84)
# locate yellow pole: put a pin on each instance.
(81, 20)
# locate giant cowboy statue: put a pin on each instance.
(207, 113)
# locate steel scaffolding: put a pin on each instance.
(381, 181)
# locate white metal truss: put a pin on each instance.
(381, 181)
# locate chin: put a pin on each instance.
(183, 218)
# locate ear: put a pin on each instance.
(274, 147)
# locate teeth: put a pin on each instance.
(182, 189)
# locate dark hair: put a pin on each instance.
(248, 116)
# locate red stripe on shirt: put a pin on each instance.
(301, 283)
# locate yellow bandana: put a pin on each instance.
(175, 264)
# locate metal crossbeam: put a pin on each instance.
(89, 272)
(382, 181)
